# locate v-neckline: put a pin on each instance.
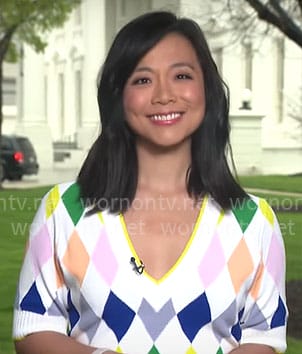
(181, 256)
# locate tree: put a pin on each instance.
(27, 21)
(285, 15)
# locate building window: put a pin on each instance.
(123, 8)
(78, 98)
(61, 105)
(279, 77)
(9, 91)
(218, 57)
(248, 65)
(45, 96)
(78, 16)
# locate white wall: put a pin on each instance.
(246, 142)
(83, 47)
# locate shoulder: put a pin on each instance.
(63, 196)
(252, 209)
(250, 212)
(63, 189)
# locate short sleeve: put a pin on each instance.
(265, 314)
(40, 298)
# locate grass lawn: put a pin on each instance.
(278, 183)
(17, 208)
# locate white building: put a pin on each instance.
(9, 91)
(59, 104)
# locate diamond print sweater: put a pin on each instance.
(226, 288)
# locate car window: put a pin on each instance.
(5, 143)
(25, 144)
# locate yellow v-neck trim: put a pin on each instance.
(184, 252)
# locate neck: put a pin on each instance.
(163, 169)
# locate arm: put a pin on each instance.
(252, 349)
(41, 292)
(52, 343)
(41, 311)
(265, 313)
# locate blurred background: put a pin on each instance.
(49, 96)
(50, 56)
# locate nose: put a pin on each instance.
(163, 92)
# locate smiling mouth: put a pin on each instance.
(165, 117)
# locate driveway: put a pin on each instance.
(46, 177)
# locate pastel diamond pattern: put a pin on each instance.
(89, 321)
(181, 314)
(266, 211)
(40, 249)
(59, 275)
(155, 321)
(55, 308)
(100, 216)
(52, 201)
(274, 260)
(256, 319)
(213, 262)
(221, 330)
(76, 258)
(104, 259)
(240, 264)
(256, 285)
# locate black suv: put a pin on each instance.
(18, 157)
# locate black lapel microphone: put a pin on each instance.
(137, 268)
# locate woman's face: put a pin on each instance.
(164, 98)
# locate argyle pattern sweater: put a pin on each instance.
(227, 287)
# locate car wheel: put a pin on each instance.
(3, 175)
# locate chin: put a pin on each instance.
(169, 144)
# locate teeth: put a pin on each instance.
(164, 117)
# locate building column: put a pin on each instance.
(32, 119)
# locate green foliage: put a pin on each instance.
(27, 21)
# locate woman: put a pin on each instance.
(156, 248)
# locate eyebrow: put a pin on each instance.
(175, 65)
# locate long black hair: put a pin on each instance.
(108, 177)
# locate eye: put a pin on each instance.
(184, 76)
(141, 81)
